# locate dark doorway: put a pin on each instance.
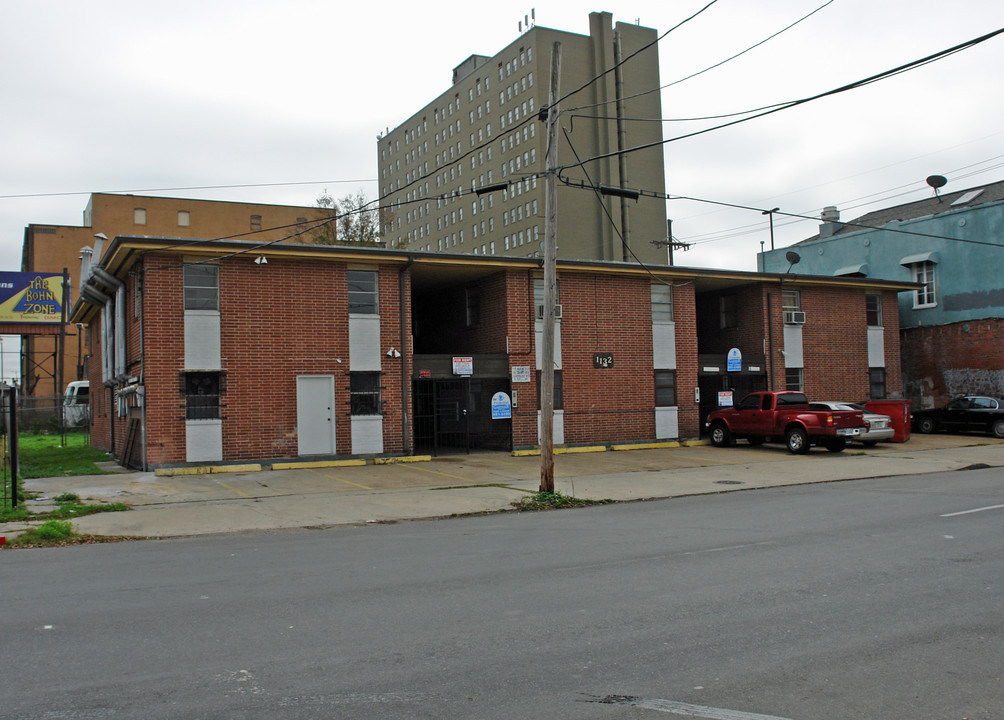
(454, 415)
(741, 384)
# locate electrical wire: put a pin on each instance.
(176, 189)
(749, 229)
(711, 67)
(763, 211)
(613, 224)
(851, 86)
(640, 50)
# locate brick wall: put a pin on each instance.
(685, 317)
(945, 361)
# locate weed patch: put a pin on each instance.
(553, 501)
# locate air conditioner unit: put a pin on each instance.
(540, 312)
(794, 317)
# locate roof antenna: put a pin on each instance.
(937, 181)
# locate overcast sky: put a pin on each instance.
(135, 96)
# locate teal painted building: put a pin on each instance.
(952, 245)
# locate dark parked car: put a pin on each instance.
(978, 413)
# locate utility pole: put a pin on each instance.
(550, 280)
(622, 181)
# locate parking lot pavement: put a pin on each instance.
(179, 505)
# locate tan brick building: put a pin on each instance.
(51, 248)
(484, 131)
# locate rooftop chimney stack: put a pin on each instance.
(831, 221)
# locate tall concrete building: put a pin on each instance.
(485, 131)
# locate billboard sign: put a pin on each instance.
(31, 297)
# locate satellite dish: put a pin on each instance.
(793, 257)
(937, 181)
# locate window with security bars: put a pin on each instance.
(794, 379)
(362, 292)
(202, 395)
(364, 393)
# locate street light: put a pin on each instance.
(771, 213)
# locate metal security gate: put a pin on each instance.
(454, 415)
(441, 415)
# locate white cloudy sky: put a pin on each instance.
(132, 96)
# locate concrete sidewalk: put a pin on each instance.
(318, 497)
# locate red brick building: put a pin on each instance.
(220, 351)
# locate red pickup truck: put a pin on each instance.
(763, 416)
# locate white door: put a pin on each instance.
(315, 414)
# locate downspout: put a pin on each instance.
(142, 373)
(405, 379)
(770, 342)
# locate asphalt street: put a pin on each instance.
(878, 598)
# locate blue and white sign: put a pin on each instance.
(735, 361)
(501, 406)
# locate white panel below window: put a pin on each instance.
(364, 343)
(538, 341)
(203, 440)
(664, 346)
(557, 429)
(367, 434)
(793, 346)
(667, 426)
(876, 347)
(202, 340)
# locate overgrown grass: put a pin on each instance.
(553, 501)
(46, 456)
(53, 532)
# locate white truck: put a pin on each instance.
(76, 403)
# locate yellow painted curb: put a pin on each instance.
(250, 467)
(207, 470)
(316, 464)
(694, 443)
(646, 446)
(561, 451)
(406, 459)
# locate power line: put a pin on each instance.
(764, 211)
(176, 189)
(739, 231)
(851, 86)
(712, 67)
(640, 50)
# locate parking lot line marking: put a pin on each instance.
(974, 510)
(701, 711)
(347, 482)
(232, 488)
(437, 472)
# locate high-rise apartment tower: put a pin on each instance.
(485, 131)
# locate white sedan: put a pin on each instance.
(879, 426)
